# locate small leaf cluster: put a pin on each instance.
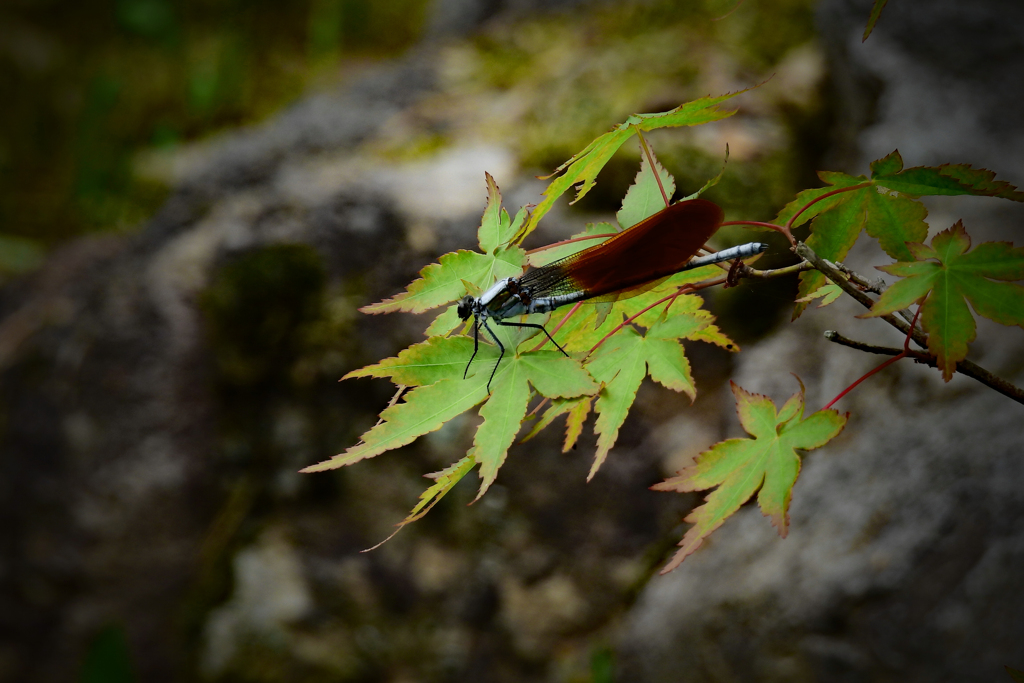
(944, 275)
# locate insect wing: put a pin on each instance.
(650, 250)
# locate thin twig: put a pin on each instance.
(859, 280)
(561, 322)
(837, 338)
(832, 273)
(650, 160)
(747, 271)
(790, 223)
(964, 367)
(899, 356)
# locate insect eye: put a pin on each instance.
(465, 307)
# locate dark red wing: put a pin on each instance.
(652, 249)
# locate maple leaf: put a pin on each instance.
(582, 169)
(883, 206)
(876, 11)
(767, 464)
(576, 410)
(644, 198)
(828, 293)
(445, 281)
(435, 369)
(946, 179)
(496, 228)
(1018, 676)
(628, 357)
(950, 276)
(549, 372)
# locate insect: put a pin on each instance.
(622, 266)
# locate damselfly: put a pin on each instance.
(622, 266)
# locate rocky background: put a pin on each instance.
(160, 389)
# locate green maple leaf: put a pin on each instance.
(496, 228)
(576, 410)
(1015, 674)
(876, 11)
(644, 197)
(582, 169)
(442, 282)
(551, 374)
(828, 293)
(445, 281)
(628, 357)
(421, 364)
(950, 276)
(767, 464)
(883, 207)
(947, 179)
(436, 367)
(890, 218)
(833, 181)
(424, 410)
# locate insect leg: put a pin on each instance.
(500, 355)
(476, 344)
(536, 327)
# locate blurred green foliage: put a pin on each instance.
(87, 85)
(256, 309)
(108, 659)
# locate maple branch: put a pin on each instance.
(965, 367)
(835, 337)
(746, 271)
(858, 279)
(833, 273)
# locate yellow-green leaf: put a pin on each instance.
(768, 463)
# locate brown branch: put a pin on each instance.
(964, 367)
(859, 280)
(747, 271)
(830, 271)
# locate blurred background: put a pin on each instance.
(197, 195)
